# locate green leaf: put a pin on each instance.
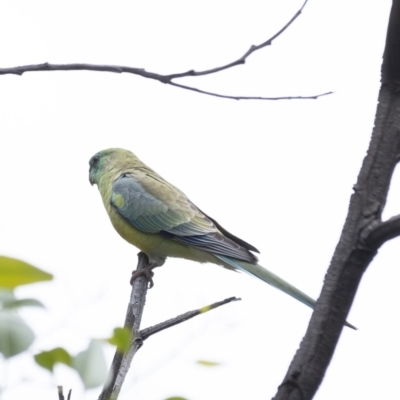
(23, 303)
(15, 335)
(15, 272)
(205, 363)
(176, 398)
(91, 365)
(121, 338)
(6, 296)
(47, 359)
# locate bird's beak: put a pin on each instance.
(91, 178)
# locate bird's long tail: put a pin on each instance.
(272, 279)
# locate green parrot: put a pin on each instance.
(156, 217)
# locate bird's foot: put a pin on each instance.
(147, 272)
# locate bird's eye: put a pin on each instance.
(95, 160)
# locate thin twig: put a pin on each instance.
(146, 333)
(313, 97)
(253, 48)
(61, 393)
(168, 78)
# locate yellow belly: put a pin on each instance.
(155, 245)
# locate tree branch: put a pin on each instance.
(362, 235)
(242, 60)
(146, 333)
(314, 97)
(168, 79)
(60, 391)
(122, 361)
(384, 232)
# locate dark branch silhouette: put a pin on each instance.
(169, 78)
(362, 235)
(383, 232)
(61, 396)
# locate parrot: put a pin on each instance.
(159, 219)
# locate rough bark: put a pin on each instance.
(362, 235)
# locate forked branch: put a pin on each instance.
(169, 78)
(362, 235)
(122, 361)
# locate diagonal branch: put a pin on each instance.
(169, 78)
(253, 48)
(313, 97)
(146, 333)
(362, 235)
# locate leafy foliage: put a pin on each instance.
(91, 365)
(121, 338)
(206, 363)
(176, 398)
(15, 273)
(15, 335)
(47, 359)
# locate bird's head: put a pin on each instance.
(96, 165)
(110, 160)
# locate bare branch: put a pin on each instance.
(314, 97)
(122, 361)
(146, 333)
(60, 391)
(168, 79)
(253, 48)
(118, 69)
(362, 234)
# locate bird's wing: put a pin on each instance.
(153, 205)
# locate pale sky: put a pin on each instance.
(277, 174)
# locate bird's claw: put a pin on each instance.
(147, 272)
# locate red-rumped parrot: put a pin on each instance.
(157, 218)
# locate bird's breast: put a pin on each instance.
(153, 244)
(142, 240)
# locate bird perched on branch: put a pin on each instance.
(156, 217)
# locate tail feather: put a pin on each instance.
(272, 279)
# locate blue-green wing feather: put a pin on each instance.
(153, 206)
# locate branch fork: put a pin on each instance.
(122, 361)
(169, 78)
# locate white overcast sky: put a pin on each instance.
(277, 174)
